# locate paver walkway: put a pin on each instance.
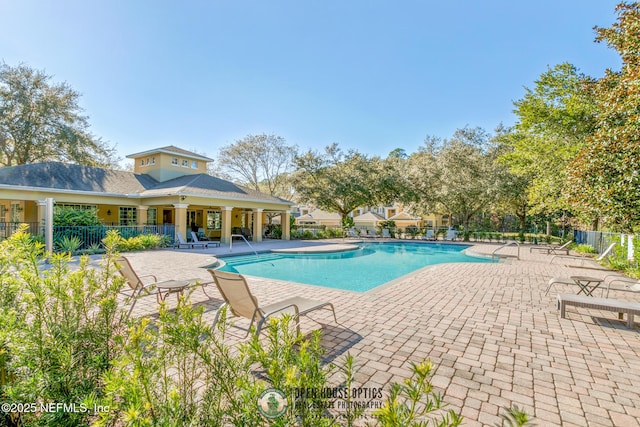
(494, 336)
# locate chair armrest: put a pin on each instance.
(155, 279)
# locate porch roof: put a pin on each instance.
(71, 178)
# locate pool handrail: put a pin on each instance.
(243, 238)
(509, 243)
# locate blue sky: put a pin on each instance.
(370, 75)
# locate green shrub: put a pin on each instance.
(583, 248)
(68, 217)
(68, 244)
(60, 333)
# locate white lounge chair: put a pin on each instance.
(604, 254)
(385, 233)
(552, 249)
(183, 243)
(194, 239)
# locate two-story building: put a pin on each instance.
(168, 185)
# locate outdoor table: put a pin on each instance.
(587, 284)
(171, 286)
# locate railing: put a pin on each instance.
(93, 235)
(600, 240)
(243, 238)
(8, 228)
(511, 243)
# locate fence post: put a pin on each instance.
(48, 224)
(630, 247)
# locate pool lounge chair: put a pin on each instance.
(628, 284)
(238, 297)
(194, 239)
(385, 233)
(429, 235)
(138, 288)
(451, 234)
(552, 249)
(351, 233)
(604, 254)
(183, 243)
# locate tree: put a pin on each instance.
(261, 162)
(341, 182)
(453, 176)
(554, 120)
(604, 176)
(41, 121)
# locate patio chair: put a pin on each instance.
(182, 242)
(372, 234)
(385, 233)
(352, 233)
(630, 285)
(451, 234)
(238, 297)
(195, 241)
(552, 249)
(582, 258)
(363, 233)
(138, 288)
(429, 235)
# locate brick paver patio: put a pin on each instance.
(494, 336)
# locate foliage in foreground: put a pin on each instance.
(64, 339)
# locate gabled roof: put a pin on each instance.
(77, 178)
(70, 177)
(319, 214)
(368, 216)
(208, 186)
(171, 149)
(403, 216)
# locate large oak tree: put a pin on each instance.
(42, 121)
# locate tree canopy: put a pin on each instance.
(341, 182)
(41, 121)
(261, 162)
(554, 119)
(604, 176)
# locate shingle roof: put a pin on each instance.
(208, 186)
(61, 176)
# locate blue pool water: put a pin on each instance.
(360, 270)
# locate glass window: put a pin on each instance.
(141, 162)
(152, 216)
(174, 161)
(153, 160)
(128, 215)
(78, 207)
(194, 164)
(185, 163)
(214, 220)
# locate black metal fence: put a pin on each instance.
(8, 228)
(90, 235)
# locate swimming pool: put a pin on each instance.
(372, 265)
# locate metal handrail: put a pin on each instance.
(243, 238)
(510, 243)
